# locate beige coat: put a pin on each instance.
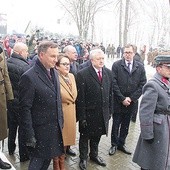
(5, 94)
(69, 111)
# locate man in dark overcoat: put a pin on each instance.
(17, 65)
(41, 111)
(94, 106)
(128, 79)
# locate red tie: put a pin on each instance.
(164, 80)
(99, 75)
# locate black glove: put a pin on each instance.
(31, 142)
(83, 123)
(150, 141)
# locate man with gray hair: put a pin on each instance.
(71, 52)
(93, 107)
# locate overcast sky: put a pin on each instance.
(20, 12)
(45, 14)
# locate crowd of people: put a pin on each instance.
(46, 88)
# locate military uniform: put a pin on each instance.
(152, 150)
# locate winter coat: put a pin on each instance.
(5, 94)
(155, 123)
(17, 65)
(68, 97)
(127, 84)
(95, 100)
(41, 111)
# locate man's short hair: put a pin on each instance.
(44, 45)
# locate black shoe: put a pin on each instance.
(133, 120)
(123, 149)
(24, 159)
(4, 165)
(83, 164)
(98, 160)
(11, 152)
(112, 150)
(69, 151)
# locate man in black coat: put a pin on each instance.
(41, 110)
(17, 65)
(128, 80)
(93, 106)
(71, 52)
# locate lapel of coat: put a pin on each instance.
(65, 86)
(124, 65)
(44, 77)
(94, 74)
(134, 66)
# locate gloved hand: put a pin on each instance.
(31, 142)
(150, 141)
(83, 123)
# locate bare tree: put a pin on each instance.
(126, 22)
(83, 12)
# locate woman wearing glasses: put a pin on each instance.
(68, 94)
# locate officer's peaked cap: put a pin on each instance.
(162, 59)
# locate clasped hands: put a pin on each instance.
(127, 101)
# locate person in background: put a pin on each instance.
(40, 108)
(17, 65)
(152, 150)
(137, 57)
(71, 52)
(6, 94)
(129, 78)
(118, 51)
(68, 95)
(94, 107)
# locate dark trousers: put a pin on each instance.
(83, 145)
(13, 126)
(120, 126)
(39, 164)
(12, 114)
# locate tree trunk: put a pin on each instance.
(120, 23)
(126, 22)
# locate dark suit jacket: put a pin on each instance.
(94, 102)
(127, 84)
(41, 111)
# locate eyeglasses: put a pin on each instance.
(128, 52)
(65, 64)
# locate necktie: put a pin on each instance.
(49, 74)
(99, 75)
(128, 66)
